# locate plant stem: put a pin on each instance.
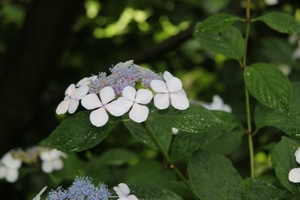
(249, 128)
(165, 154)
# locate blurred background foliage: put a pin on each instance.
(47, 44)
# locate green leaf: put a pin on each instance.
(216, 23)
(162, 131)
(262, 190)
(185, 143)
(289, 123)
(195, 119)
(76, 133)
(281, 22)
(229, 43)
(151, 192)
(269, 86)
(283, 160)
(226, 143)
(117, 156)
(210, 180)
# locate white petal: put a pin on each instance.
(70, 90)
(99, 117)
(84, 81)
(117, 107)
(10, 162)
(62, 108)
(45, 156)
(179, 101)
(127, 63)
(297, 154)
(12, 175)
(167, 75)
(294, 175)
(122, 190)
(161, 101)
(132, 197)
(73, 106)
(3, 171)
(57, 164)
(227, 108)
(107, 94)
(129, 93)
(47, 166)
(297, 151)
(174, 84)
(139, 113)
(91, 101)
(54, 154)
(125, 102)
(217, 103)
(81, 92)
(159, 86)
(38, 196)
(143, 96)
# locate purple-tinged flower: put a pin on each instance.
(132, 98)
(171, 90)
(71, 100)
(99, 117)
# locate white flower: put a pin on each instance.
(217, 104)
(123, 192)
(9, 167)
(71, 100)
(86, 81)
(38, 196)
(99, 117)
(132, 98)
(297, 155)
(51, 160)
(294, 175)
(271, 2)
(171, 90)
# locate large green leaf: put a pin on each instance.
(269, 86)
(281, 22)
(151, 192)
(289, 123)
(216, 23)
(76, 133)
(213, 177)
(229, 43)
(262, 190)
(116, 156)
(162, 131)
(185, 143)
(283, 160)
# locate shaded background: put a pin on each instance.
(47, 44)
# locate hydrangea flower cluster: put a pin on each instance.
(294, 174)
(117, 93)
(81, 188)
(11, 162)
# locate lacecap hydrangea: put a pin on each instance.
(118, 93)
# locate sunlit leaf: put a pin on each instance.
(216, 23)
(229, 43)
